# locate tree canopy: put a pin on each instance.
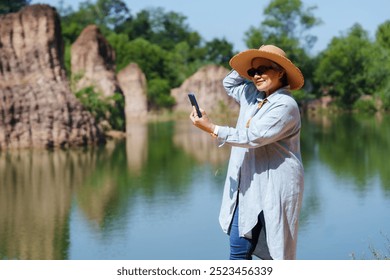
(160, 42)
(351, 67)
(168, 50)
(11, 6)
(287, 24)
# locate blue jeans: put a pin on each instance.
(241, 248)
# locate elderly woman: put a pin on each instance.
(264, 184)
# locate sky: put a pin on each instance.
(231, 19)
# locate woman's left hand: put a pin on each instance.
(204, 122)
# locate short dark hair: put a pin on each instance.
(284, 79)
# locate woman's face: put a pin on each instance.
(269, 80)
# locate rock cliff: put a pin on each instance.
(37, 108)
(206, 83)
(133, 84)
(93, 62)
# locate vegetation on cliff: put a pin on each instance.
(352, 69)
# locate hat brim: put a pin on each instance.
(242, 62)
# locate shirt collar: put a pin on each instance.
(261, 94)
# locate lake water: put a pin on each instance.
(156, 195)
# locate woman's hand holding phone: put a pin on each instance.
(199, 117)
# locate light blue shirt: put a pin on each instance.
(265, 169)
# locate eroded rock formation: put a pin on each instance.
(93, 62)
(37, 108)
(206, 83)
(133, 84)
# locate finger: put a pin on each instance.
(193, 116)
(195, 112)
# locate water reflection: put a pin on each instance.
(136, 146)
(353, 146)
(346, 184)
(157, 162)
(37, 186)
(199, 144)
(36, 191)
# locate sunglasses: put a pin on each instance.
(259, 70)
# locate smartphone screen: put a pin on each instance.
(193, 101)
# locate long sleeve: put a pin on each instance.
(279, 120)
(235, 85)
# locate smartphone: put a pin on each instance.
(192, 98)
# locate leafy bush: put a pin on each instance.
(365, 105)
(159, 94)
(385, 97)
(110, 109)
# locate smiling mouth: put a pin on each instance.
(259, 82)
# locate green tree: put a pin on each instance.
(286, 25)
(136, 27)
(161, 43)
(179, 64)
(168, 30)
(284, 19)
(383, 39)
(106, 14)
(177, 50)
(159, 94)
(152, 59)
(121, 44)
(110, 13)
(110, 108)
(383, 34)
(12, 6)
(348, 67)
(219, 51)
(160, 27)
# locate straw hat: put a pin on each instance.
(242, 62)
